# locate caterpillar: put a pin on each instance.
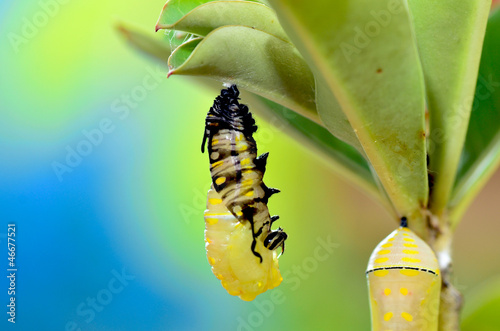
(241, 246)
(404, 283)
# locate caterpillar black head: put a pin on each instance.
(276, 239)
(228, 113)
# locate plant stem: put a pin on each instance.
(450, 306)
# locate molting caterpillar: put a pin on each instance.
(241, 247)
(404, 283)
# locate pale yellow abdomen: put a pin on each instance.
(228, 245)
(404, 284)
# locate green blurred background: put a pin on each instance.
(133, 204)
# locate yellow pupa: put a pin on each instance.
(404, 283)
(228, 243)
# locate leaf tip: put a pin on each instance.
(123, 30)
(159, 25)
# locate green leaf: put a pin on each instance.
(364, 52)
(152, 45)
(481, 153)
(481, 311)
(254, 60)
(331, 114)
(449, 37)
(212, 15)
(181, 54)
(177, 9)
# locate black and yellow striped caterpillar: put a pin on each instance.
(404, 283)
(241, 246)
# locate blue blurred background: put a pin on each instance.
(102, 175)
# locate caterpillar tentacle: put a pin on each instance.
(254, 235)
(274, 218)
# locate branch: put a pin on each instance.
(451, 299)
(450, 305)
